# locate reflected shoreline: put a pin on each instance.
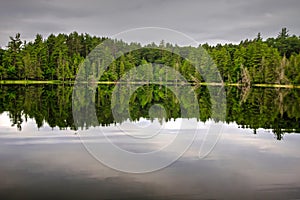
(276, 109)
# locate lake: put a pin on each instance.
(245, 146)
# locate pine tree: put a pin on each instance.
(12, 59)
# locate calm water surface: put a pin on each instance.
(43, 156)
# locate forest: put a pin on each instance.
(58, 57)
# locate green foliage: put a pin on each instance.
(286, 44)
(58, 57)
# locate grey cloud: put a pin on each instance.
(206, 21)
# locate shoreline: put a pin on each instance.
(36, 82)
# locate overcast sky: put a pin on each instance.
(205, 21)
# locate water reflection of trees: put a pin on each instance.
(269, 108)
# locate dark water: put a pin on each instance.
(43, 151)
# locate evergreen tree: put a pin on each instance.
(12, 60)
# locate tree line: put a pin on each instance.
(57, 57)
